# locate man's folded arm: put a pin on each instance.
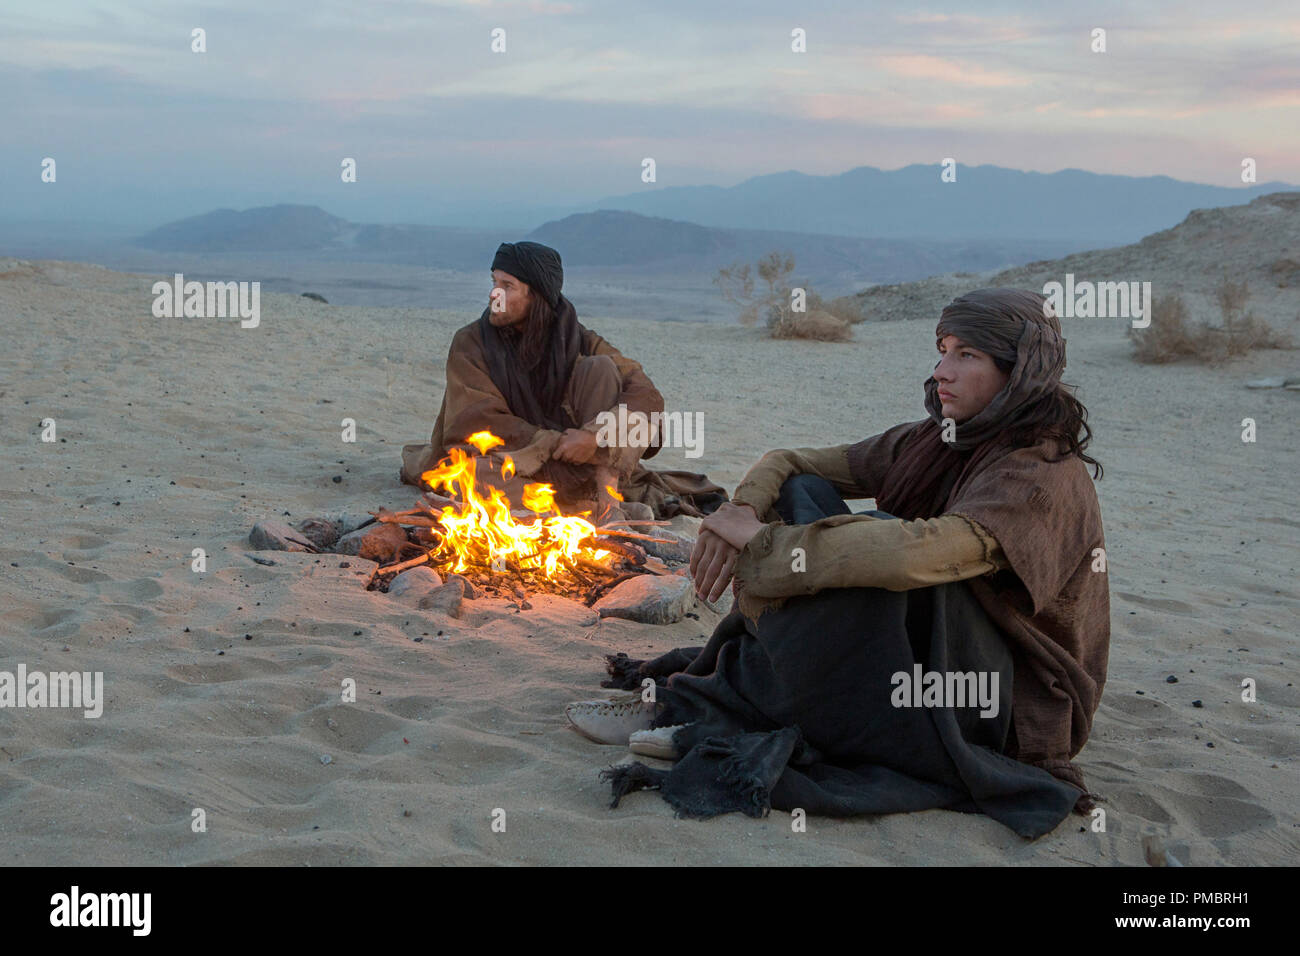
(761, 485)
(846, 551)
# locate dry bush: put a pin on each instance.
(1286, 272)
(1251, 332)
(773, 304)
(817, 325)
(844, 308)
(1241, 330)
(1171, 336)
(737, 286)
(1232, 298)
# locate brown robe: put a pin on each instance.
(1052, 606)
(472, 402)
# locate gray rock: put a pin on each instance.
(471, 592)
(325, 529)
(415, 582)
(379, 542)
(679, 551)
(278, 536)
(347, 521)
(315, 295)
(446, 599)
(319, 531)
(649, 599)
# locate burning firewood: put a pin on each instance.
(636, 556)
(614, 532)
(468, 528)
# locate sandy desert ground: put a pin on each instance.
(222, 688)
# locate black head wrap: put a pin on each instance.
(535, 264)
(534, 392)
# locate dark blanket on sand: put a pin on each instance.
(794, 711)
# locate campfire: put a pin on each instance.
(456, 530)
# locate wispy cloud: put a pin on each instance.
(412, 89)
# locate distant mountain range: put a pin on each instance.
(985, 202)
(619, 241)
(861, 227)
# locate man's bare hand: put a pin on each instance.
(713, 561)
(576, 446)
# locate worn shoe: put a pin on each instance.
(655, 743)
(611, 721)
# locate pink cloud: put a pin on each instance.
(923, 66)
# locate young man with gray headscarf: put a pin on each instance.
(527, 371)
(997, 567)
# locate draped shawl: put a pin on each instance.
(534, 394)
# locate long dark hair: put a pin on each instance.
(1058, 415)
(534, 333)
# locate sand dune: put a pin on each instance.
(222, 688)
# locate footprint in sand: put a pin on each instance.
(1159, 604)
(80, 575)
(205, 484)
(1211, 813)
(55, 617)
(223, 670)
(84, 542)
(141, 589)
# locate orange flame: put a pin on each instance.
(483, 441)
(613, 493)
(485, 535)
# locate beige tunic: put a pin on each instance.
(846, 551)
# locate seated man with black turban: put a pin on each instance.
(528, 372)
(947, 651)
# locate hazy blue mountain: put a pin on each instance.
(985, 202)
(626, 242)
(263, 229)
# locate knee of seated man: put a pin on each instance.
(594, 385)
(597, 366)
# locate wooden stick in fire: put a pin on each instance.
(402, 566)
(613, 533)
(636, 557)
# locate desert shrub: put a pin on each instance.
(844, 308)
(772, 304)
(1171, 336)
(817, 325)
(1285, 272)
(1232, 297)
